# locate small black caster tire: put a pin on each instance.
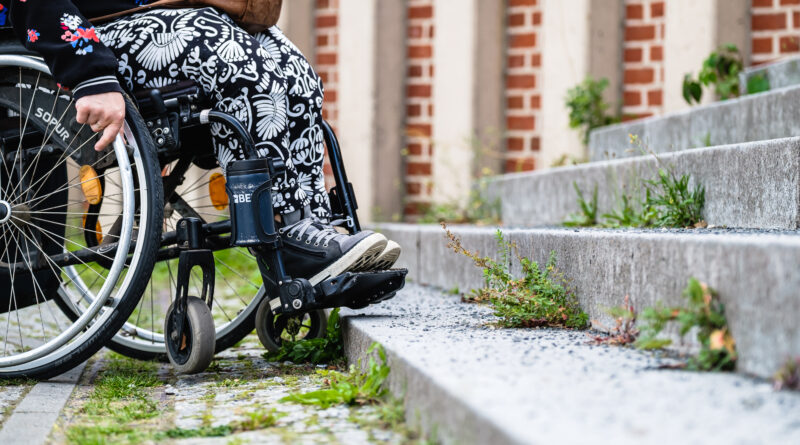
(194, 352)
(270, 327)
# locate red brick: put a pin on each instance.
(656, 53)
(420, 12)
(420, 130)
(536, 102)
(513, 3)
(515, 144)
(762, 45)
(634, 12)
(790, 2)
(515, 103)
(326, 59)
(327, 21)
(641, 75)
(414, 110)
(537, 18)
(520, 165)
(789, 44)
(520, 123)
(516, 19)
(654, 97)
(633, 55)
(331, 95)
(418, 91)
(323, 4)
(420, 51)
(631, 98)
(535, 143)
(644, 32)
(418, 168)
(522, 40)
(416, 208)
(415, 71)
(413, 188)
(762, 3)
(521, 81)
(762, 22)
(322, 40)
(657, 9)
(415, 149)
(516, 61)
(796, 19)
(536, 60)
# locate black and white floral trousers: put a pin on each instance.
(263, 80)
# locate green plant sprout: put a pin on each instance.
(703, 312)
(587, 108)
(588, 214)
(327, 349)
(541, 298)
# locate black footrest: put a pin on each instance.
(351, 289)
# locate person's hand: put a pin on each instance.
(102, 112)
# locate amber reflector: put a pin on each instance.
(216, 191)
(98, 230)
(90, 184)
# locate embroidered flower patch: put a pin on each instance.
(79, 37)
(33, 35)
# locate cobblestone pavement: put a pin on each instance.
(238, 386)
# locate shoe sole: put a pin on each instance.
(362, 254)
(387, 259)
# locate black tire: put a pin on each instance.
(194, 351)
(270, 328)
(150, 241)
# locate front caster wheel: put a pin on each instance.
(191, 350)
(273, 329)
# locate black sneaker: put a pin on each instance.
(316, 251)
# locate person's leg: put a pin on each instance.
(160, 47)
(305, 94)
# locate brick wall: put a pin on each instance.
(419, 106)
(327, 34)
(775, 26)
(643, 58)
(523, 94)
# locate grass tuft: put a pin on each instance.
(327, 349)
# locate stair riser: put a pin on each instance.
(754, 185)
(756, 276)
(757, 117)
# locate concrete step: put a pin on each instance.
(757, 117)
(755, 273)
(755, 184)
(780, 74)
(472, 384)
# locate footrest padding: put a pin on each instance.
(360, 289)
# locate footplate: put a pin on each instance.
(351, 289)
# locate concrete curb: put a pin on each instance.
(756, 184)
(37, 413)
(783, 73)
(755, 275)
(756, 117)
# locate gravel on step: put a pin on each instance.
(551, 386)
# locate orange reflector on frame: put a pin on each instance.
(97, 228)
(90, 184)
(216, 191)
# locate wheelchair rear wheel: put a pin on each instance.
(79, 229)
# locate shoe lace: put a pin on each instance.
(316, 231)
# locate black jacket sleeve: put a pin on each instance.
(69, 44)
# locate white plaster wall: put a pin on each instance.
(689, 37)
(356, 96)
(454, 98)
(565, 63)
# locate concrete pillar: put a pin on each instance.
(370, 126)
(693, 29)
(467, 91)
(297, 23)
(580, 38)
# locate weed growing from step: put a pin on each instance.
(788, 377)
(588, 214)
(351, 388)
(541, 298)
(624, 331)
(327, 349)
(703, 312)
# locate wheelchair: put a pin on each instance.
(138, 247)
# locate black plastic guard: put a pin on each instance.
(356, 290)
